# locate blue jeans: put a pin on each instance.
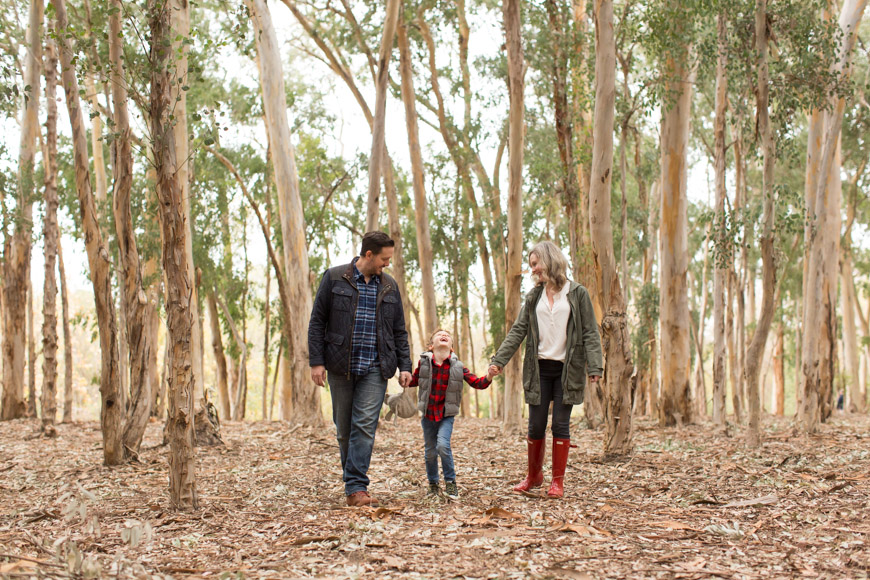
(436, 437)
(356, 408)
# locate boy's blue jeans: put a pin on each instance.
(436, 436)
(356, 408)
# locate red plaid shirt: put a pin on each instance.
(438, 392)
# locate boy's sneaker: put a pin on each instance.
(451, 490)
(434, 490)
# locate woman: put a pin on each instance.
(562, 347)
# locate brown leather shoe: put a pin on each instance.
(361, 499)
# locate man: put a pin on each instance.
(357, 335)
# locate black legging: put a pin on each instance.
(551, 390)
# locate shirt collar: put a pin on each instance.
(358, 276)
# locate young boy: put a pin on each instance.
(439, 374)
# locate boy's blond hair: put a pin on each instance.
(436, 331)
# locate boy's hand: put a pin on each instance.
(493, 371)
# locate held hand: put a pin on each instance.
(404, 379)
(318, 375)
(493, 371)
(594, 378)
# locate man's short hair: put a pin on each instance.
(375, 241)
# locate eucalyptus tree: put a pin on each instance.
(618, 371)
(823, 199)
(516, 133)
(178, 271)
(672, 35)
(111, 413)
(133, 293)
(50, 233)
(305, 396)
(17, 242)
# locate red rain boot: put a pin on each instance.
(535, 476)
(561, 447)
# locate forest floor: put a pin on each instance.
(689, 503)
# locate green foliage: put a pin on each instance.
(647, 305)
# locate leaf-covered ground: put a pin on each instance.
(688, 504)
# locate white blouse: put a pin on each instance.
(553, 324)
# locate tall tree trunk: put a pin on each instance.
(457, 155)
(577, 210)
(759, 337)
(111, 413)
(50, 233)
(675, 406)
(857, 403)
(398, 263)
(820, 296)
(220, 358)
(700, 394)
(618, 387)
(207, 432)
(720, 234)
(513, 373)
(738, 282)
(421, 211)
(100, 180)
(67, 338)
(306, 396)
(376, 160)
(242, 367)
(179, 292)
(31, 353)
(648, 374)
(268, 312)
(132, 293)
(17, 247)
(779, 370)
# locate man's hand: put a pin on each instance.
(318, 375)
(404, 379)
(493, 371)
(594, 378)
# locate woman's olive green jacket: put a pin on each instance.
(582, 352)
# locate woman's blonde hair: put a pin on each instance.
(553, 262)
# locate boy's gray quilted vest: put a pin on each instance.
(454, 385)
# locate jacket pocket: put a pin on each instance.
(388, 306)
(335, 354)
(342, 297)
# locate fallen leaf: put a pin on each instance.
(764, 500)
(14, 566)
(302, 540)
(394, 562)
(672, 525)
(568, 573)
(383, 513)
(495, 513)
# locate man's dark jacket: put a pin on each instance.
(330, 330)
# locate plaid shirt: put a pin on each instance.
(364, 351)
(438, 392)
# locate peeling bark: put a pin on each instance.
(111, 413)
(617, 390)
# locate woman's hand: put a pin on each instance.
(493, 371)
(594, 378)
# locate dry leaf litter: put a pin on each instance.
(690, 502)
